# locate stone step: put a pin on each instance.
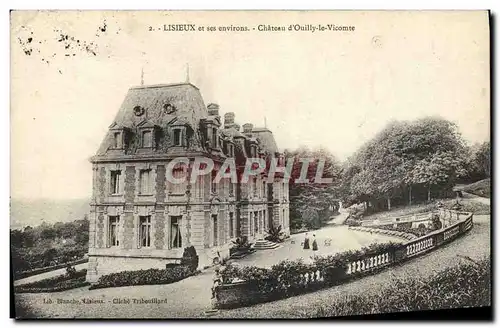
(265, 244)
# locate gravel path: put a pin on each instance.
(331, 239)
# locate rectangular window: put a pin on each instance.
(113, 224)
(144, 231)
(116, 140)
(178, 174)
(213, 183)
(175, 232)
(115, 182)
(146, 139)
(145, 182)
(214, 138)
(215, 229)
(177, 137)
(231, 225)
(255, 223)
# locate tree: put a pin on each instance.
(16, 238)
(48, 233)
(320, 197)
(440, 169)
(427, 152)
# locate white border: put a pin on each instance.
(185, 4)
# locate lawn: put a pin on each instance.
(467, 284)
(480, 188)
(468, 205)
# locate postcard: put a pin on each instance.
(249, 164)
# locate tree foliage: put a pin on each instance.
(426, 153)
(313, 197)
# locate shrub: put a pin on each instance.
(190, 258)
(144, 277)
(422, 230)
(436, 222)
(294, 277)
(275, 234)
(241, 245)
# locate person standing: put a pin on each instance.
(314, 243)
(306, 242)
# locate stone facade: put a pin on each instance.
(140, 220)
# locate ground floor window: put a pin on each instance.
(231, 225)
(113, 224)
(145, 231)
(175, 232)
(256, 223)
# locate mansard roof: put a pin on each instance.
(158, 105)
(266, 139)
(168, 105)
(185, 101)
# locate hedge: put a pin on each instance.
(55, 284)
(289, 277)
(419, 232)
(144, 277)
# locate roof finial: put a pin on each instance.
(142, 75)
(187, 72)
(265, 122)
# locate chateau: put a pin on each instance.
(140, 220)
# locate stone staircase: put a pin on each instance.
(265, 244)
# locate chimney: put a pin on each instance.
(228, 120)
(213, 109)
(236, 126)
(247, 128)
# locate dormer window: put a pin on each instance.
(177, 137)
(147, 139)
(117, 140)
(118, 136)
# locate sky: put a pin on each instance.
(318, 89)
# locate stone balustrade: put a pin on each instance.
(368, 263)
